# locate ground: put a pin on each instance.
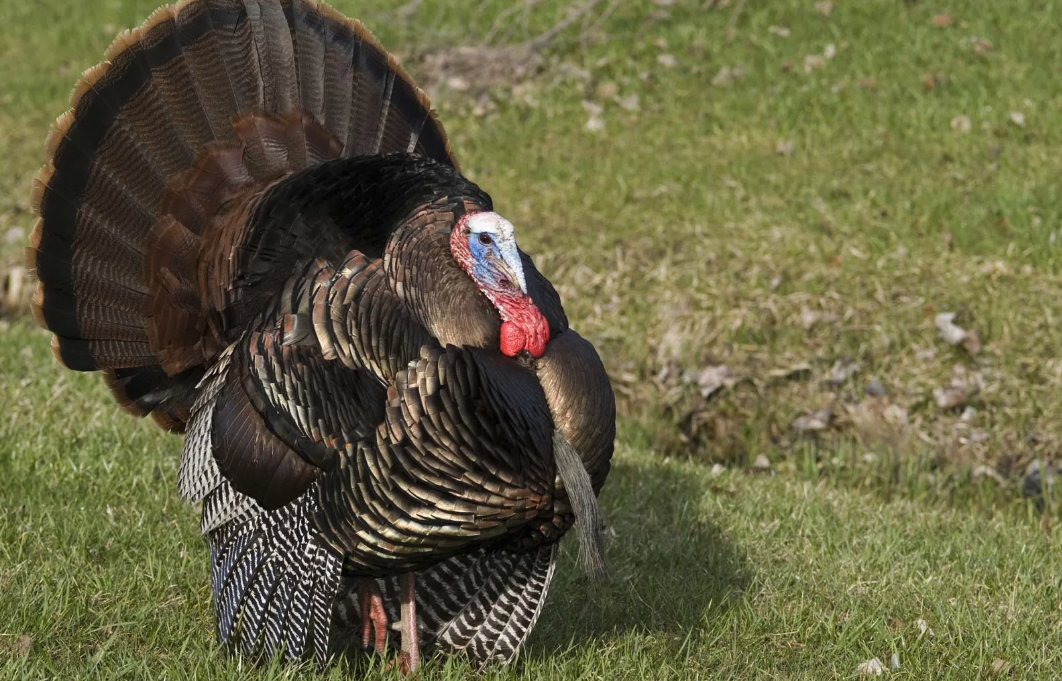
(758, 213)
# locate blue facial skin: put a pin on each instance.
(485, 259)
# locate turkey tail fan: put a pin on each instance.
(206, 97)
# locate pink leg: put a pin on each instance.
(409, 658)
(370, 605)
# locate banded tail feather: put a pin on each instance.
(482, 604)
(274, 583)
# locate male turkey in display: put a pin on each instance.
(253, 225)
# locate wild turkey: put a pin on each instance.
(253, 225)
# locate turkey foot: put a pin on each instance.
(370, 604)
(409, 658)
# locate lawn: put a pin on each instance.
(757, 212)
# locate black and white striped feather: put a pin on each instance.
(274, 584)
(483, 604)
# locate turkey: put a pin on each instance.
(252, 224)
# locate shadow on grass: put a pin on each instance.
(671, 568)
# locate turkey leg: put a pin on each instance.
(409, 658)
(370, 604)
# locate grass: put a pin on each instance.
(705, 226)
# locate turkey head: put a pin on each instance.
(484, 244)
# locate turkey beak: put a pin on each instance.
(512, 267)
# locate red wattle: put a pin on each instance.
(513, 339)
(536, 340)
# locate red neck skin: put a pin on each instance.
(523, 326)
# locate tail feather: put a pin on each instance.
(155, 119)
(206, 99)
(197, 27)
(405, 118)
(273, 582)
(368, 85)
(307, 37)
(171, 76)
(494, 624)
(339, 44)
(483, 604)
(276, 55)
(252, 625)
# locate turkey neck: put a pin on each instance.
(434, 287)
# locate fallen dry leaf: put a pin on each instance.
(712, 379)
(982, 471)
(457, 83)
(1017, 118)
(955, 335)
(784, 147)
(594, 123)
(961, 124)
(23, 646)
(877, 419)
(1000, 666)
(872, 667)
(630, 102)
(951, 397)
(943, 20)
(813, 423)
(810, 318)
(875, 389)
(813, 62)
(824, 7)
(867, 83)
(980, 46)
(606, 90)
(728, 75)
(952, 334)
(843, 370)
(802, 370)
(15, 288)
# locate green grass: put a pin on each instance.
(678, 236)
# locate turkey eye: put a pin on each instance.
(484, 239)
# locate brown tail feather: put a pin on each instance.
(307, 34)
(165, 146)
